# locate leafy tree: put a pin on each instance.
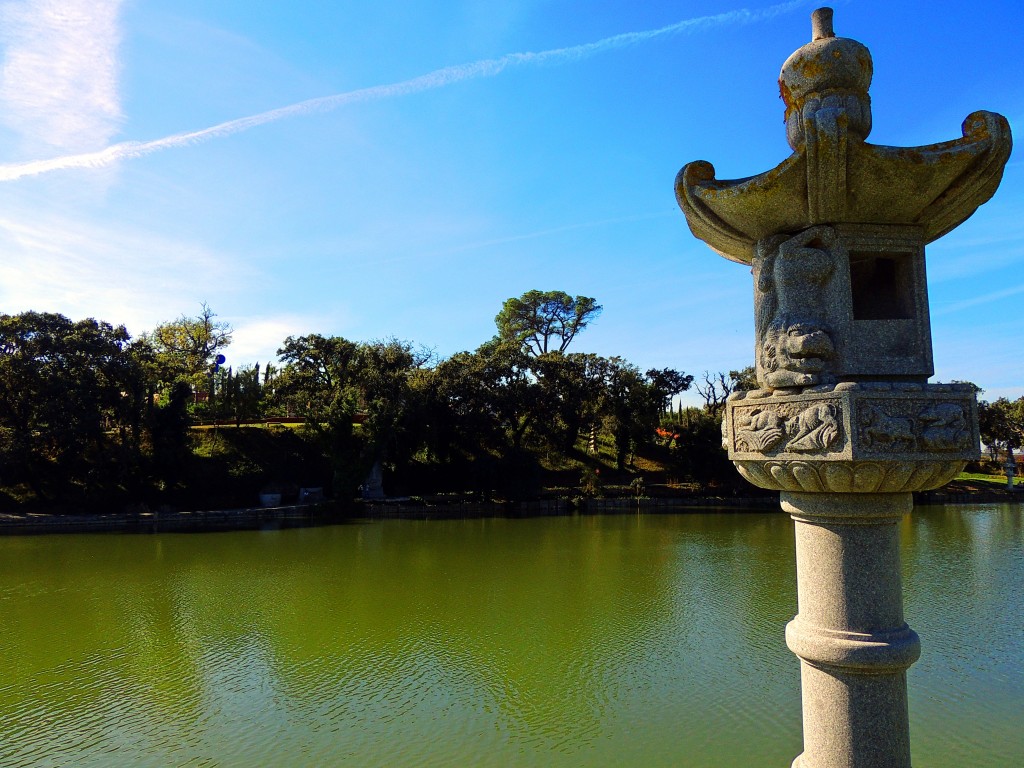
(698, 448)
(169, 435)
(628, 405)
(481, 411)
(570, 396)
(331, 379)
(489, 395)
(317, 382)
(1002, 423)
(633, 403)
(744, 380)
(381, 373)
(545, 321)
(248, 393)
(241, 395)
(71, 404)
(269, 402)
(185, 348)
(667, 383)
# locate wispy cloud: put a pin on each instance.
(257, 338)
(59, 81)
(558, 231)
(439, 78)
(80, 269)
(404, 254)
(975, 301)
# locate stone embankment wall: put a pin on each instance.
(555, 507)
(305, 515)
(941, 496)
(255, 518)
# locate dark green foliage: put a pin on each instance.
(71, 405)
(667, 383)
(571, 396)
(487, 407)
(229, 467)
(169, 436)
(184, 349)
(634, 403)
(484, 401)
(1002, 423)
(240, 395)
(627, 407)
(698, 454)
(540, 320)
(744, 380)
(318, 383)
(333, 382)
(89, 416)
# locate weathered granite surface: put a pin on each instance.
(853, 438)
(841, 302)
(834, 176)
(844, 423)
(850, 635)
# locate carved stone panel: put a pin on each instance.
(845, 301)
(775, 427)
(905, 423)
(791, 279)
(895, 426)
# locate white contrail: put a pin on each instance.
(436, 79)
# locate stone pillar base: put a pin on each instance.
(850, 635)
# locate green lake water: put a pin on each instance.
(628, 640)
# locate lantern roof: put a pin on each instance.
(834, 176)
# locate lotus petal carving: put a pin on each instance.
(849, 477)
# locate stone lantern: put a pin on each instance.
(844, 423)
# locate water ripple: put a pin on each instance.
(589, 641)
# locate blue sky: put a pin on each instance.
(408, 166)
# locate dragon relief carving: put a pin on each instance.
(790, 275)
(936, 427)
(879, 429)
(816, 428)
(813, 429)
(944, 427)
(762, 432)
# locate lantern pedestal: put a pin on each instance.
(850, 635)
(847, 460)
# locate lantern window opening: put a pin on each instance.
(881, 286)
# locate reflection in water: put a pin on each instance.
(964, 587)
(619, 640)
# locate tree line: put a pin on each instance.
(1001, 424)
(87, 412)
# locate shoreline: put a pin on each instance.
(327, 513)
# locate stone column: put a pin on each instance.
(849, 633)
(844, 422)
